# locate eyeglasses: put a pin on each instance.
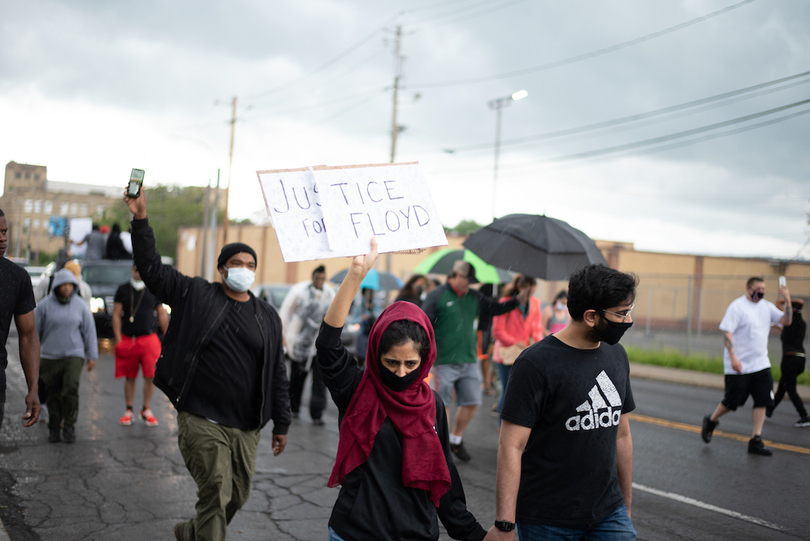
(623, 314)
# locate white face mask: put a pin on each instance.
(240, 279)
(559, 306)
(137, 285)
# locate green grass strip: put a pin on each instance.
(698, 362)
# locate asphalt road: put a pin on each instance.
(129, 483)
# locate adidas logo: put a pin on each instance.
(601, 410)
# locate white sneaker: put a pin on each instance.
(43, 414)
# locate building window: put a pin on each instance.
(26, 224)
(100, 211)
(27, 175)
(48, 207)
(64, 209)
(83, 210)
(36, 223)
(74, 209)
(37, 206)
(28, 205)
(17, 175)
(36, 176)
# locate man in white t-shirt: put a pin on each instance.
(746, 365)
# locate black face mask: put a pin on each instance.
(757, 296)
(612, 332)
(396, 383)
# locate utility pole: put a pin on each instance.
(230, 167)
(397, 77)
(394, 126)
(205, 228)
(212, 233)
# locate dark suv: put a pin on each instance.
(104, 276)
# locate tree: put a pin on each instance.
(169, 208)
(464, 228)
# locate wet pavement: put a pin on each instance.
(130, 483)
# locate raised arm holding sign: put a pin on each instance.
(323, 212)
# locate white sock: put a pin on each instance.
(455, 440)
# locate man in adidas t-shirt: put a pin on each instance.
(746, 365)
(565, 456)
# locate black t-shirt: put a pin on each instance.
(572, 399)
(793, 335)
(144, 304)
(16, 299)
(235, 354)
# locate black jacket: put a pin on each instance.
(198, 309)
(374, 504)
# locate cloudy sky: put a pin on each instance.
(679, 125)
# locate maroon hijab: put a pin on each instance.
(412, 411)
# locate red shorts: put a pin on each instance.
(131, 352)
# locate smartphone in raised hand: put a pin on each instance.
(135, 183)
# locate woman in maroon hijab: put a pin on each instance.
(393, 461)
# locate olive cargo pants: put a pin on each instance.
(222, 461)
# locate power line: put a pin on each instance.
(465, 16)
(324, 66)
(585, 56)
(693, 131)
(631, 148)
(649, 114)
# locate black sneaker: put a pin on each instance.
(768, 413)
(69, 434)
(318, 422)
(804, 422)
(756, 447)
(53, 435)
(460, 452)
(708, 428)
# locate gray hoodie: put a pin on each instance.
(65, 330)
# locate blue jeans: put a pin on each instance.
(333, 536)
(616, 527)
(503, 372)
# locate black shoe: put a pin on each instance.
(69, 434)
(756, 447)
(460, 452)
(318, 422)
(804, 422)
(295, 415)
(768, 413)
(708, 428)
(53, 435)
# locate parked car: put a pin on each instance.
(273, 294)
(104, 276)
(36, 274)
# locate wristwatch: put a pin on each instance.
(504, 526)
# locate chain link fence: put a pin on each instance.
(683, 312)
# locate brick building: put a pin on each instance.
(29, 200)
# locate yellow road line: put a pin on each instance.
(717, 433)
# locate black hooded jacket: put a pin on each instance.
(198, 309)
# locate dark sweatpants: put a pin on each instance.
(61, 377)
(298, 376)
(791, 366)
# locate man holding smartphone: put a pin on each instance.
(745, 327)
(222, 367)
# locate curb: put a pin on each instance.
(691, 377)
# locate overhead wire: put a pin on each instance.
(326, 65)
(633, 147)
(471, 15)
(750, 91)
(464, 11)
(584, 56)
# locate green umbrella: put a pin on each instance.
(441, 262)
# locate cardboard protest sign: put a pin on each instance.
(323, 212)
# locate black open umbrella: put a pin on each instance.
(534, 245)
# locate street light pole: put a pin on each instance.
(498, 104)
